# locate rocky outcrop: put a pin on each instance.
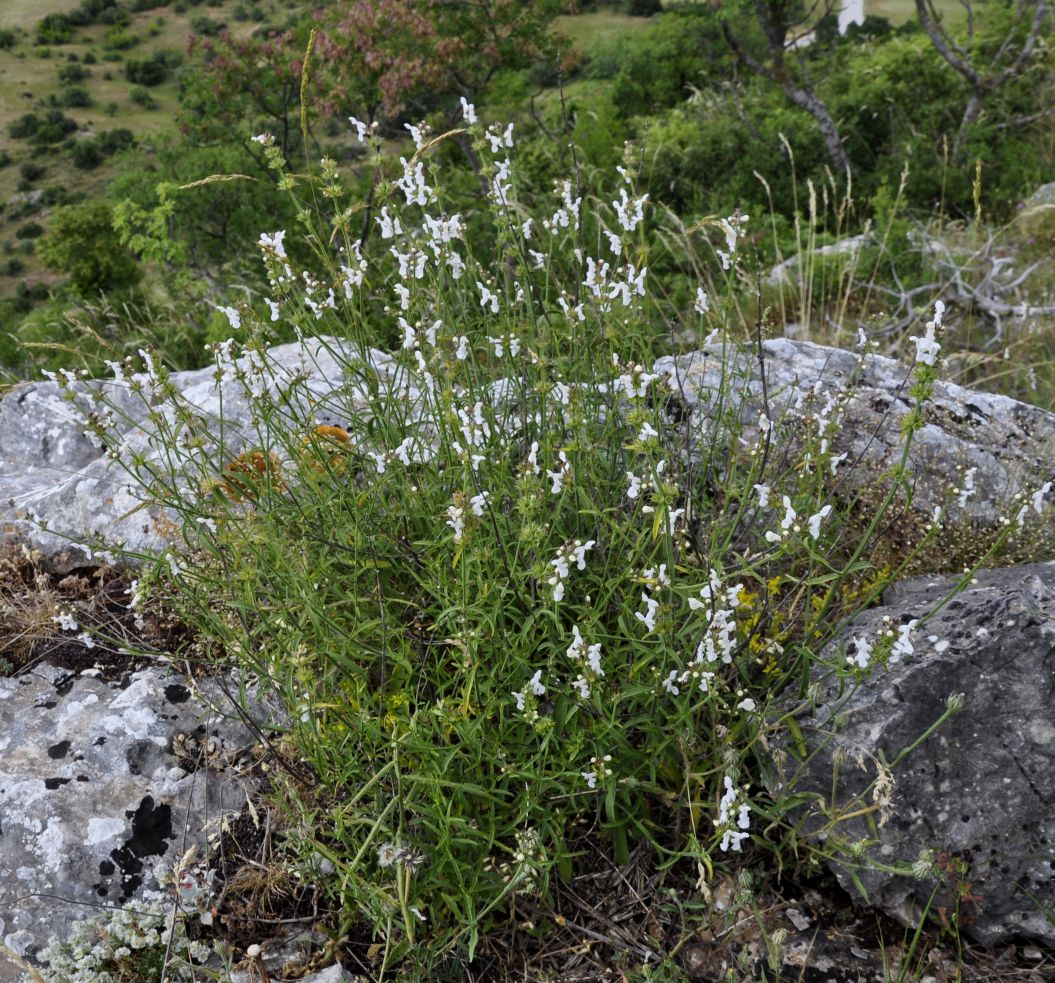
(980, 790)
(102, 786)
(54, 471)
(1008, 447)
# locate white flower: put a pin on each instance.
(647, 432)
(579, 552)
(468, 111)
(265, 139)
(763, 495)
(593, 659)
(702, 305)
(273, 308)
(903, 644)
(65, 621)
(591, 778)
(519, 697)
(582, 686)
(456, 520)
(815, 521)
(927, 348)
(462, 351)
(487, 297)
(417, 134)
(670, 683)
(790, 515)
(390, 227)
(233, 316)
(629, 212)
(274, 242)
(478, 502)
(648, 617)
(862, 653)
(634, 488)
(360, 128)
(1038, 497)
(410, 336)
(536, 684)
(387, 854)
(836, 461)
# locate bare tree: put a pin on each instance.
(780, 21)
(1008, 61)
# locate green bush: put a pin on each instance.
(72, 73)
(86, 154)
(82, 243)
(206, 26)
(74, 96)
(141, 96)
(30, 230)
(513, 617)
(8, 39)
(31, 170)
(24, 127)
(54, 29)
(118, 39)
(116, 140)
(13, 266)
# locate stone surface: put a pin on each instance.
(102, 786)
(50, 468)
(1037, 215)
(981, 788)
(53, 470)
(1010, 444)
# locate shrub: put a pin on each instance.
(31, 170)
(82, 242)
(141, 97)
(113, 141)
(118, 39)
(23, 127)
(89, 58)
(54, 29)
(30, 230)
(13, 266)
(72, 73)
(8, 39)
(5, 159)
(516, 615)
(205, 26)
(74, 96)
(86, 154)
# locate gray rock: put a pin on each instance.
(52, 469)
(99, 791)
(1009, 444)
(979, 790)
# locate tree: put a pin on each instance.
(1009, 58)
(83, 243)
(778, 19)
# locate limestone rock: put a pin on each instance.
(101, 789)
(53, 470)
(981, 789)
(1009, 444)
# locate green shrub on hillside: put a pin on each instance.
(82, 242)
(54, 29)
